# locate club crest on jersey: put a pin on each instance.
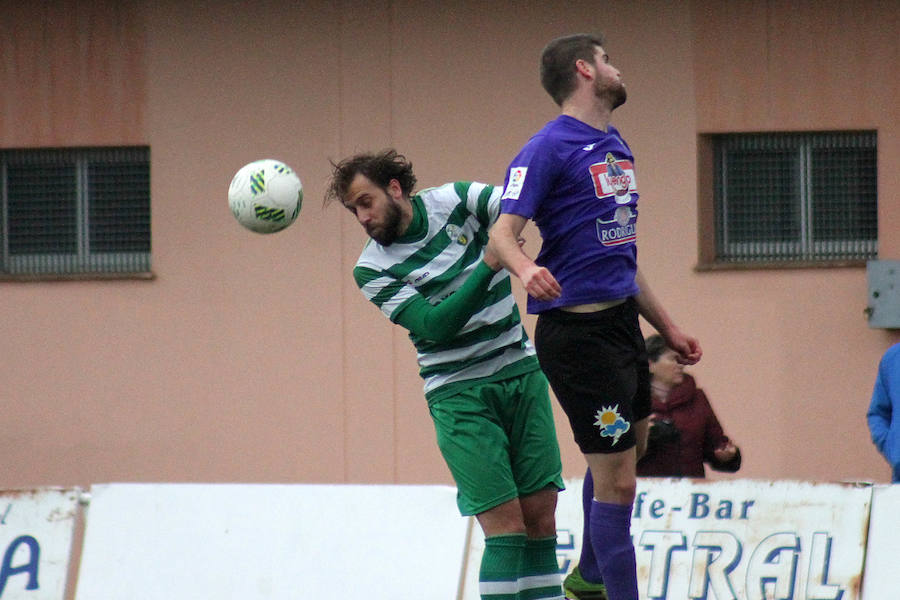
(614, 178)
(456, 234)
(514, 186)
(611, 423)
(621, 229)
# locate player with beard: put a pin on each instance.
(575, 178)
(426, 268)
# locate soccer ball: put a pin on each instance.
(265, 196)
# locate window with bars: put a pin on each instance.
(795, 197)
(75, 211)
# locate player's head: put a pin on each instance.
(559, 68)
(380, 168)
(376, 188)
(558, 62)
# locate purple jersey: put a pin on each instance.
(577, 184)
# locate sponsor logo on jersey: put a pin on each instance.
(614, 178)
(516, 180)
(456, 234)
(611, 423)
(621, 229)
(421, 277)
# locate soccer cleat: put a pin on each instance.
(576, 588)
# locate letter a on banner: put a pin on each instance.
(36, 541)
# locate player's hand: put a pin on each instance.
(540, 283)
(686, 347)
(491, 259)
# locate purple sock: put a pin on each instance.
(611, 539)
(587, 564)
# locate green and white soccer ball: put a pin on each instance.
(265, 196)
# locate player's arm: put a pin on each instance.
(482, 201)
(504, 242)
(687, 347)
(880, 412)
(443, 321)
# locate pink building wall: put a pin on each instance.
(255, 358)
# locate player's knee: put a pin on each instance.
(540, 525)
(622, 489)
(504, 519)
(626, 491)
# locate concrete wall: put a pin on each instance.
(254, 358)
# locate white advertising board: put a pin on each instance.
(36, 529)
(190, 541)
(882, 577)
(730, 540)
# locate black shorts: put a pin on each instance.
(597, 367)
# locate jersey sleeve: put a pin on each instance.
(439, 322)
(384, 291)
(879, 414)
(529, 178)
(482, 200)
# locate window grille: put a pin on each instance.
(75, 211)
(795, 197)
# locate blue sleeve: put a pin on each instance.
(881, 407)
(880, 410)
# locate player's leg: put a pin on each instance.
(614, 472)
(504, 549)
(592, 362)
(475, 448)
(516, 564)
(610, 521)
(527, 416)
(537, 469)
(585, 582)
(540, 576)
(614, 475)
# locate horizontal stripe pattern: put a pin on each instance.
(535, 586)
(458, 217)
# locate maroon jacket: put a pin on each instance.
(700, 433)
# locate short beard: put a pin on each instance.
(615, 95)
(619, 96)
(390, 231)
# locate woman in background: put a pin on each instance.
(684, 431)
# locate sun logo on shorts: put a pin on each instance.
(611, 423)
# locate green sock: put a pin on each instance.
(540, 577)
(500, 567)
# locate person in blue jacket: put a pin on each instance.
(884, 424)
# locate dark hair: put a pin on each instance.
(558, 62)
(380, 167)
(656, 345)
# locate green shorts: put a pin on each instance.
(499, 441)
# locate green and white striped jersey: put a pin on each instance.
(442, 247)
